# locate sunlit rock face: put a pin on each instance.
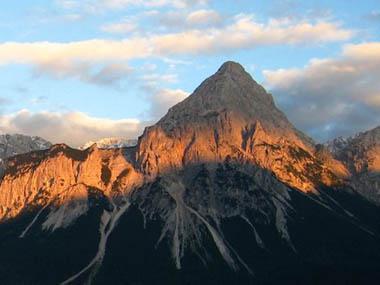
(361, 156)
(231, 116)
(40, 178)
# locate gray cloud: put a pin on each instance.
(374, 16)
(109, 74)
(332, 97)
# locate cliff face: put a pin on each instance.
(361, 153)
(11, 145)
(361, 156)
(231, 116)
(62, 174)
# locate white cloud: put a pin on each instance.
(77, 128)
(41, 53)
(123, 27)
(81, 59)
(73, 128)
(185, 20)
(72, 17)
(245, 33)
(94, 61)
(163, 99)
(68, 4)
(98, 6)
(204, 17)
(154, 79)
(334, 96)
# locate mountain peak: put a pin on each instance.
(228, 116)
(233, 92)
(231, 67)
(230, 88)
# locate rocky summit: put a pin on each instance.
(222, 190)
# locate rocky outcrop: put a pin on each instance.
(361, 156)
(53, 177)
(11, 145)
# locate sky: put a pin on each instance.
(74, 71)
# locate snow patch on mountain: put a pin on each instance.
(114, 142)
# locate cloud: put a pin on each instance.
(44, 53)
(104, 65)
(180, 20)
(374, 16)
(164, 99)
(77, 128)
(245, 33)
(86, 59)
(334, 96)
(124, 27)
(73, 128)
(72, 17)
(4, 101)
(68, 4)
(110, 74)
(98, 6)
(154, 79)
(204, 17)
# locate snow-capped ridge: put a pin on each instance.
(112, 142)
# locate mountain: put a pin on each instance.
(222, 190)
(15, 144)
(337, 144)
(105, 143)
(361, 156)
(11, 145)
(230, 115)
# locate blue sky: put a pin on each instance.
(73, 71)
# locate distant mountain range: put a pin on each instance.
(112, 142)
(13, 144)
(222, 190)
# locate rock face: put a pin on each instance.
(231, 116)
(11, 145)
(222, 190)
(361, 156)
(52, 176)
